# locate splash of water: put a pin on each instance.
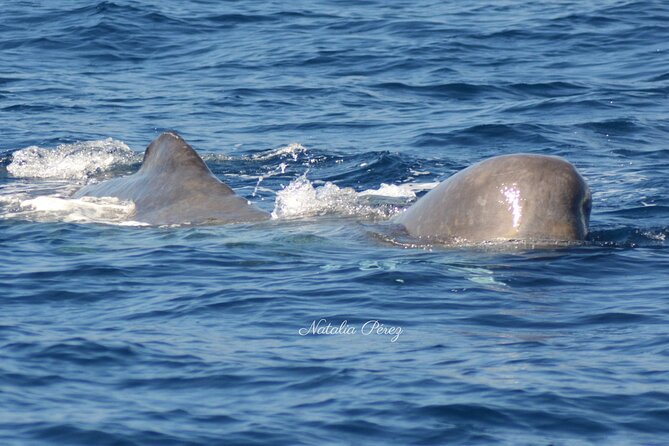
(302, 199)
(46, 208)
(76, 161)
(293, 151)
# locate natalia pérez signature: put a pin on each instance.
(371, 327)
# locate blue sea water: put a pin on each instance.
(333, 115)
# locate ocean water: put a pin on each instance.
(333, 116)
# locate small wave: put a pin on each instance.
(626, 236)
(548, 89)
(368, 168)
(239, 19)
(558, 105)
(622, 126)
(619, 318)
(77, 161)
(659, 78)
(293, 151)
(487, 134)
(456, 90)
(621, 191)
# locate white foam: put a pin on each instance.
(293, 150)
(659, 236)
(482, 276)
(301, 199)
(416, 187)
(390, 190)
(58, 208)
(70, 161)
(47, 199)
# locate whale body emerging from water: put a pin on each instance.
(175, 186)
(510, 197)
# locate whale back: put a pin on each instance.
(509, 197)
(175, 186)
(169, 152)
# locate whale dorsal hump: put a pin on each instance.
(175, 186)
(170, 152)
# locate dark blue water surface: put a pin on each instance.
(113, 334)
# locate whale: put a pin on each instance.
(523, 197)
(174, 186)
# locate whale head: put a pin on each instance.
(509, 197)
